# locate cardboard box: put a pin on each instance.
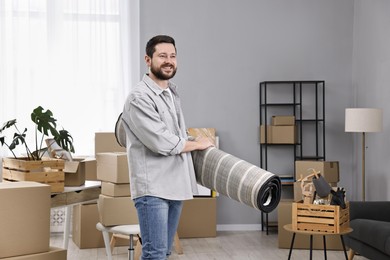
(113, 167)
(84, 232)
(25, 218)
(301, 241)
(280, 134)
(74, 175)
(117, 211)
(54, 253)
(106, 142)
(116, 190)
(198, 218)
(284, 134)
(283, 120)
(203, 132)
(262, 134)
(90, 168)
(298, 190)
(328, 170)
(77, 170)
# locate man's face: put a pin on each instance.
(163, 63)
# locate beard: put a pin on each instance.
(160, 74)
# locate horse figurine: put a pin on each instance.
(338, 197)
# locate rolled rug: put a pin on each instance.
(237, 179)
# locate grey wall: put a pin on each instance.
(371, 86)
(226, 47)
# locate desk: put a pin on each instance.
(89, 192)
(289, 228)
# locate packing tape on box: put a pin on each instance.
(237, 179)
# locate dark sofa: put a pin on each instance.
(370, 222)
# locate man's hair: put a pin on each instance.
(150, 46)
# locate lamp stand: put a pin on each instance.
(363, 166)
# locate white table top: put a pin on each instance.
(87, 185)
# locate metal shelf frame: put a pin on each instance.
(296, 90)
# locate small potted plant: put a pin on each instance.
(34, 166)
(45, 123)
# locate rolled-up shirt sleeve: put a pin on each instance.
(147, 125)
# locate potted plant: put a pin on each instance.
(45, 123)
(33, 166)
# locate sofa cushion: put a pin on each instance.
(372, 232)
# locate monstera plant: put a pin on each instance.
(45, 126)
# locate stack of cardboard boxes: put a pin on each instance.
(330, 171)
(25, 222)
(115, 204)
(281, 131)
(86, 216)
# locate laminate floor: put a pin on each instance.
(233, 245)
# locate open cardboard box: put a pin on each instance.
(328, 169)
(77, 170)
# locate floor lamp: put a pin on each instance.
(363, 120)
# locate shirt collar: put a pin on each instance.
(156, 89)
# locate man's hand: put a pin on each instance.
(200, 143)
(204, 143)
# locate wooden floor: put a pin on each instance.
(238, 245)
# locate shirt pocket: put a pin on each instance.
(168, 119)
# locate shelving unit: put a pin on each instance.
(305, 100)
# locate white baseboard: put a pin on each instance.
(243, 227)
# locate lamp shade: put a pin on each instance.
(363, 120)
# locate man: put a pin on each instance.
(161, 168)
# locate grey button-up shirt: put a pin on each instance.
(156, 135)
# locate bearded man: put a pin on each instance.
(159, 151)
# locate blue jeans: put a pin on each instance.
(158, 220)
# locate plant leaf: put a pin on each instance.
(65, 140)
(45, 121)
(18, 139)
(8, 124)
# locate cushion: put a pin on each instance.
(372, 232)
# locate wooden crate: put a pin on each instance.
(319, 218)
(49, 171)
